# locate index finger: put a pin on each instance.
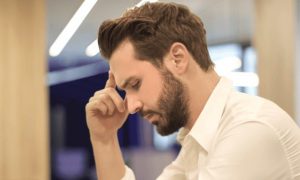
(110, 83)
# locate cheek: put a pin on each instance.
(151, 93)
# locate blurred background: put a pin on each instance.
(50, 66)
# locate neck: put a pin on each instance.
(200, 87)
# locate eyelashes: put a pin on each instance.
(136, 85)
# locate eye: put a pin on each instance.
(135, 85)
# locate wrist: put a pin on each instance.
(104, 139)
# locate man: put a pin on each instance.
(158, 55)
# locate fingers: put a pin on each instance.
(107, 101)
(95, 105)
(110, 83)
(115, 97)
(104, 104)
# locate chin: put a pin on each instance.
(165, 132)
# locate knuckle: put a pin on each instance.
(87, 106)
(104, 97)
(110, 89)
(98, 92)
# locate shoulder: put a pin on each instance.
(241, 108)
(258, 119)
(250, 148)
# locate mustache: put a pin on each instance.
(147, 112)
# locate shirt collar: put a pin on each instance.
(207, 123)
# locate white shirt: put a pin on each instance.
(236, 137)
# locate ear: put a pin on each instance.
(178, 58)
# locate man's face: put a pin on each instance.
(155, 93)
(172, 106)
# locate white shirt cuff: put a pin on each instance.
(129, 175)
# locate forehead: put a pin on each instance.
(124, 64)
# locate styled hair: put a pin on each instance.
(152, 29)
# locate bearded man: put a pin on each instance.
(158, 55)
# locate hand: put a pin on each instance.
(106, 112)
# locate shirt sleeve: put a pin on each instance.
(129, 175)
(247, 151)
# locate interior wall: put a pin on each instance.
(274, 41)
(24, 149)
(297, 63)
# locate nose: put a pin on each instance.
(133, 104)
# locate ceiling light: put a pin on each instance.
(71, 27)
(92, 49)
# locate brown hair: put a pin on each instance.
(152, 29)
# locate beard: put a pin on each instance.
(172, 104)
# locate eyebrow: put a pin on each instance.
(125, 83)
